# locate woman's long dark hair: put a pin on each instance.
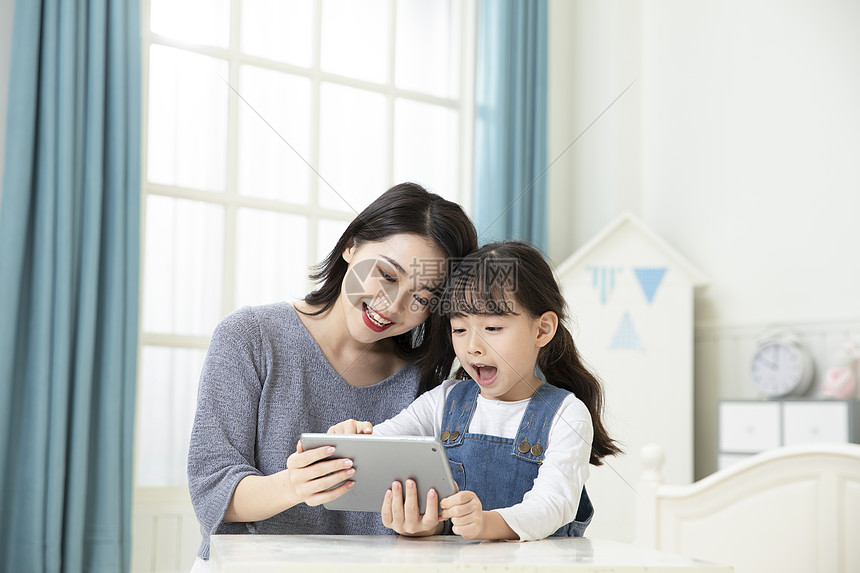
(484, 283)
(405, 208)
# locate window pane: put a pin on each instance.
(195, 21)
(187, 119)
(166, 401)
(271, 252)
(427, 51)
(277, 107)
(328, 232)
(278, 30)
(355, 38)
(182, 274)
(353, 147)
(425, 146)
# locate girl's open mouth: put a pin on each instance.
(486, 374)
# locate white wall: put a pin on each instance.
(739, 145)
(7, 9)
(751, 152)
(593, 57)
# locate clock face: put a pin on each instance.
(778, 368)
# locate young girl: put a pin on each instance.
(368, 340)
(519, 447)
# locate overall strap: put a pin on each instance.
(459, 407)
(533, 436)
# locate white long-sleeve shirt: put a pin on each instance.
(554, 497)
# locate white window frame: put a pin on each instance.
(156, 506)
(232, 200)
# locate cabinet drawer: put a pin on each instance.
(749, 427)
(815, 422)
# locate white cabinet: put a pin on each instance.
(751, 426)
(816, 422)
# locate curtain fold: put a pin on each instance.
(510, 121)
(69, 230)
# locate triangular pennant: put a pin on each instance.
(603, 279)
(625, 337)
(649, 280)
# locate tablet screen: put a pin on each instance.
(379, 461)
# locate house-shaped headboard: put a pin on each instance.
(631, 301)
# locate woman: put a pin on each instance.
(363, 345)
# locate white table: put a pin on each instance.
(390, 554)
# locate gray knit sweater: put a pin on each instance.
(264, 382)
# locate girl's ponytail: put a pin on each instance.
(562, 366)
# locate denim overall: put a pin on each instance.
(501, 470)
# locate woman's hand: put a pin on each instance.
(351, 427)
(402, 515)
(309, 477)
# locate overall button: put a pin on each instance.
(523, 447)
(445, 435)
(455, 434)
(537, 450)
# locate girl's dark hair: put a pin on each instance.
(483, 284)
(405, 208)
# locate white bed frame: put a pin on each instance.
(792, 509)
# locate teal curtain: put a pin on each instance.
(69, 255)
(511, 121)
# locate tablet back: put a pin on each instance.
(378, 461)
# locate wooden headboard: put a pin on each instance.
(792, 509)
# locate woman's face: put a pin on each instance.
(388, 287)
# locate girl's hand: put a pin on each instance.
(351, 427)
(466, 514)
(403, 517)
(309, 478)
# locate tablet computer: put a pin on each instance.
(380, 460)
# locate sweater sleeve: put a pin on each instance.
(554, 497)
(223, 436)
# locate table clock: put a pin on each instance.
(781, 366)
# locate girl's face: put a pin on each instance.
(500, 351)
(387, 287)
